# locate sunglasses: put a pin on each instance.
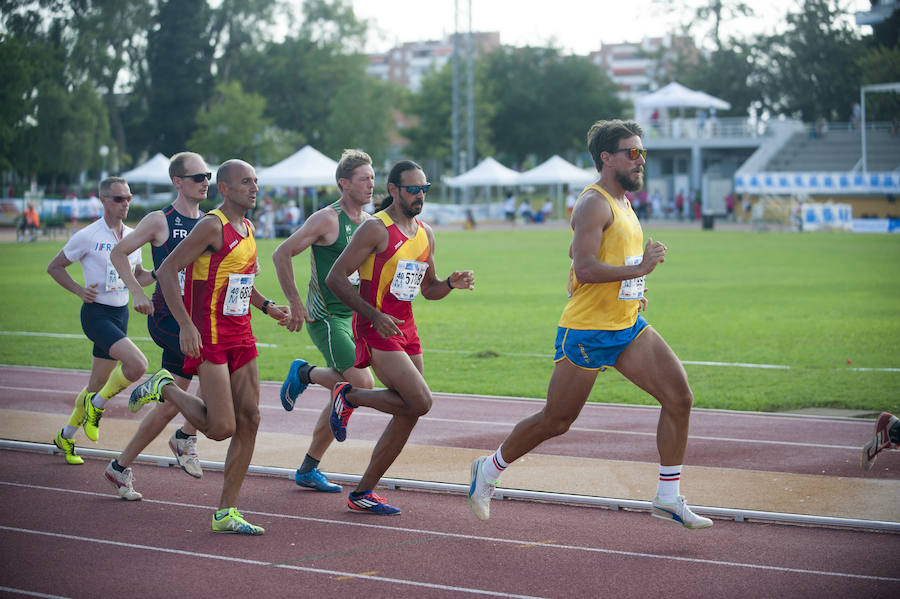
(633, 153)
(119, 199)
(198, 178)
(415, 189)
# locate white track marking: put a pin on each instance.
(730, 564)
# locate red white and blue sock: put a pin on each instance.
(669, 483)
(494, 466)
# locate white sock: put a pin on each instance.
(68, 431)
(669, 483)
(492, 468)
(98, 401)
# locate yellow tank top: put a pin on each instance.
(596, 306)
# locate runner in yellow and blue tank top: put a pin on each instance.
(600, 327)
(215, 334)
(394, 254)
(328, 321)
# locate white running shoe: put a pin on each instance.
(480, 490)
(123, 483)
(185, 451)
(880, 441)
(678, 511)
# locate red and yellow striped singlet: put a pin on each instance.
(207, 283)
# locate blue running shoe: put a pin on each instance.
(314, 479)
(370, 503)
(292, 386)
(341, 409)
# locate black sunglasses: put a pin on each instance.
(633, 153)
(198, 178)
(119, 199)
(414, 189)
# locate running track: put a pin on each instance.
(63, 532)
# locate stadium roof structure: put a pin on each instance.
(488, 172)
(307, 167)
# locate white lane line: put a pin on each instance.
(511, 354)
(253, 562)
(619, 552)
(509, 425)
(30, 593)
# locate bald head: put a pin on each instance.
(229, 169)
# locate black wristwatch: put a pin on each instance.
(265, 306)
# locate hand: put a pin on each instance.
(654, 253)
(462, 279)
(189, 339)
(296, 317)
(142, 303)
(386, 325)
(89, 294)
(280, 313)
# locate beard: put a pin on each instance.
(412, 209)
(629, 184)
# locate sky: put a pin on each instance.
(577, 26)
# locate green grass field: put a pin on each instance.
(807, 302)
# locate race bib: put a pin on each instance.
(354, 278)
(632, 289)
(237, 297)
(407, 278)
(113, 281)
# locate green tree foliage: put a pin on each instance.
(236, 127)
(811, 70)
(544, 102)
(179, 61)
(881, 65)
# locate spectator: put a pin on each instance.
(570, 203)
(546, 211)
(679, 204)
(525, 212)
(292, 214)
(729, 206)
(509, 207)
(29, 225)
(855, 115)
(821, 128)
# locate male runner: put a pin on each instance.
(600, 327)
(117, 361)
(394, 254)
(163, 230)
(215, 333)
(329, 326)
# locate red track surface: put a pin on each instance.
(62, 532)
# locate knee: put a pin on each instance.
(555, 427)
(248, 419)
(135, 368)
(419, 405)
(680, 404)
(220, 432)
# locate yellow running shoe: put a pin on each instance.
(77, 416)
(149, 390)
(92, 416)
(231, 520)
(67, 446)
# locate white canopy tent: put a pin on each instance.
(307, 167)
(488, 172)
(556, 172)
(155, 172)
(675, 95)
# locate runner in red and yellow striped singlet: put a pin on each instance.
(394, 254)
(218, 286)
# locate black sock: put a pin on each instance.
(308, 464)
(357, 494)
(117, 466)
(180, 434)
(894, 433)
(303, 373)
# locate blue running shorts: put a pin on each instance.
(595, 350)
(164, 331)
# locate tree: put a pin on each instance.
(707, 14)
(236, 127)
(179, 60)
(811, 69)
(881, 65)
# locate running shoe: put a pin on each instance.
(185, 451)
(678, 511)
(293, 386)
(370, 503)
(149, 390)
(123, 482)
(341, 409)
(881, 440)
(480, 490)
(77, 416)
(67, 446)
(91, 419)
(314, 479)
(231, 520)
